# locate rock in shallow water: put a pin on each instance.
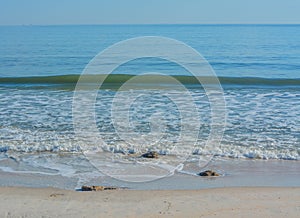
(208, 173)
(151, 154)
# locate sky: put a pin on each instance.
(59, 12)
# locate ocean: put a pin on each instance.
(258, 67)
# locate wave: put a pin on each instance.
(122, 78)
(225, 151)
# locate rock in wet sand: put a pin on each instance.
(97, 188)
(208, 173)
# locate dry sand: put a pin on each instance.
(219, 202)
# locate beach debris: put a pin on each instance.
(208, 173)
(150, 154)
(56, 194)
(97, 188)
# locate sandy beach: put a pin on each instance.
(219, 202)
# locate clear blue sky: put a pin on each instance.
(44, 12)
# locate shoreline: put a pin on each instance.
(214, 202)
(234, 173)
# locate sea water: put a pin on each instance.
(258, 67)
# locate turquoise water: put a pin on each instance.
(268, 51)
(258, 67)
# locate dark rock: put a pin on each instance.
(97, 188)
(150, 154)
(208, 173)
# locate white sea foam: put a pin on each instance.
(262, 123)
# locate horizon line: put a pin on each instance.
(145, 24)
